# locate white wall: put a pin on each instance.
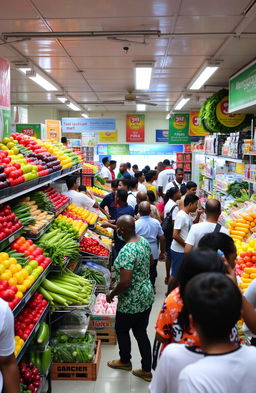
(38, 114)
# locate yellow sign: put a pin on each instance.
(194, 126)
(53, 129)
(225, 118)
(108, 136)
(180, 122)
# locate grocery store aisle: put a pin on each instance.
(115, 381)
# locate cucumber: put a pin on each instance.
(37, 362)
(43, 333)
(32, 357)
(46, 359)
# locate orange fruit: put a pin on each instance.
(14, 268)
(6, 275)
(12, 281)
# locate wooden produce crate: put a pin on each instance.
(77, 371)
(104, 326)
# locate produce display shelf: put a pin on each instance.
(36, 236)
(90, 174)
(93, 225)
(88, 254)
(102, 188)
(31, 291)
(57, 269)
(9, 239)
(249, 180)
(32, 334)
(28, 188)
(61, 209)
(39, 348)
(84, 232)
(250, 153)
(101, 234)
(87, 308)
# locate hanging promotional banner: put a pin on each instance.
(31, 130)
(79, 124)
(53, 129)
(194, 126)
(178, 129)
(148, 150)
(162, 136)
(135, 128)
(108, 136)
(4, 84)
(5, 113)
(242, 89)
(118, 149)
(228, 119)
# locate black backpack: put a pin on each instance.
(167, 224)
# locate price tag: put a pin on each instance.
(11, 239)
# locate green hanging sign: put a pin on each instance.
(179, 129)
(242, 89)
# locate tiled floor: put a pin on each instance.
(114, 381)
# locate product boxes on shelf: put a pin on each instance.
(187, 157)
(187, 167)
(179, 157)
(78, 371)
(187, 148)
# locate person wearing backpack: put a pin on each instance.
(170, 212)
(132, 193)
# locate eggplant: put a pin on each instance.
(50, 170)
(1, 168)
(4, 184)
(3, 177)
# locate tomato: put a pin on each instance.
(243, 254)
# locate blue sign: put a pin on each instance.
(142, 149)
(162, 136)
(79, 124)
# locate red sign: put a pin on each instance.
(135, 128)
(4, 84)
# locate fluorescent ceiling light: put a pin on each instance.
(62, 99)
(180, 103)
(85, 115)
(204, 74)
(25, 69)
(140, 107)
(41, 81)
(143, 74)
(73, 107)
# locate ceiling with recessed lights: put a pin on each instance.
(95, 70)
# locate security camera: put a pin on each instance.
(126, 48)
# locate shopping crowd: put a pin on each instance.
(157, 216)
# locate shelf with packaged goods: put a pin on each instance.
(31, 291)
(40, 185)
(226, 158)
(206, 191)
(250, 153)
(208, 176)
(32, 334)
(220, 190)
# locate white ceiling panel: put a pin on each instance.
(241, 47)
(10, 25)
(16, 9)
(101, 8)
(165, 24)
(214, 8)
(192, 46)
(104, 47)
(83, 96)
(168, 84)
(206, 24)
(34, 97)
(176, 61)
(109, 62)
(53, 62)
(108, 85)
(42, 47)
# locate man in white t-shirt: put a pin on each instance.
(177, 182)
(141, 178)
(105, 172)
(9, 373)
(165, 177)
(214, 304)
(197, 231)
(174, 358)
(78, 198)
(182, 225)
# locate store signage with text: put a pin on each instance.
(135, 128)
(30, 130)
(108, 136)
(162, 136)
(242, 89)
(53, 129)
(178, 129)
(194, 127)
(79, 124)
(5, 112)
(117, 149)
(226, 118)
